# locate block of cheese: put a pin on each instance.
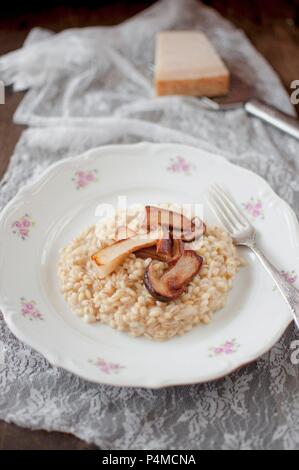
(186, 63)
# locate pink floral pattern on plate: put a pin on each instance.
(29, 309)
(180, 165)
(84, 178)
(22, 226)
(106, 367)
(229, 347)
(254, 208)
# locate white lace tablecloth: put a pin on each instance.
(94, 86)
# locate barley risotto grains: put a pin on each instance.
(121, 299)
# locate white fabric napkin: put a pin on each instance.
(94, 86)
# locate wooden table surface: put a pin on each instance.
(273, 28)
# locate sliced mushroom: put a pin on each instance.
(108, 258)
(105, 269)
(174, 281)
(165, 246)
(180, 226)
(177, 251)
(151, 252)
(123, 232)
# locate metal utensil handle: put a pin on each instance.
(289, 292)
(273, 116)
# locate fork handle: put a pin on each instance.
(288, 291)
(271, 115)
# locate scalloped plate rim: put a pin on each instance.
(57, 361)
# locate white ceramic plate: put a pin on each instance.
(45, 216)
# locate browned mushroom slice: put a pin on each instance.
(156, 216)
(151, 252)
(108, 258)
(174, 281)
(123, 232)
(181, 226)
(165, 246)
(198, 229)
(178, 250)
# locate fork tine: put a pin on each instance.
(214, 205)
(227, 212)
(236, 211)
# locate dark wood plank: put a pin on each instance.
(9, 133)
(271, 25)
(13, 437)
(15, 27)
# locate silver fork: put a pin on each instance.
(243, 233)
